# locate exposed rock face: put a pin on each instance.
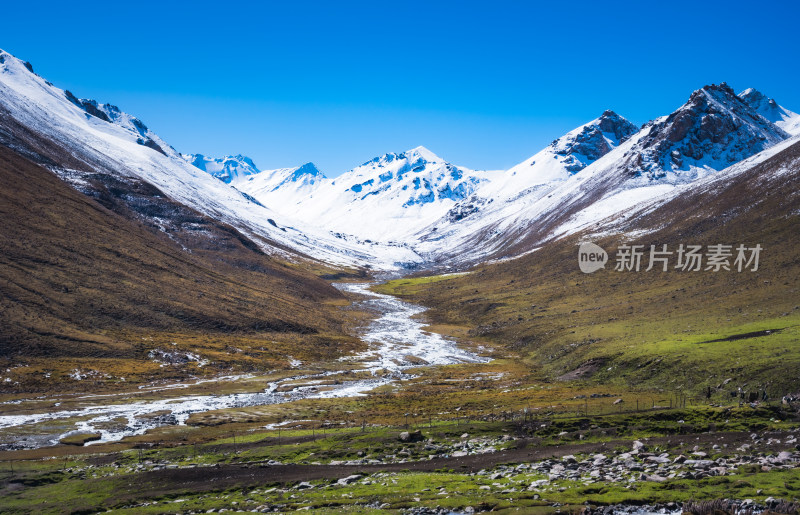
(226, 169)
(760, 102)
(771, 110)
(466, 208)
(714, 129)
(594, 141)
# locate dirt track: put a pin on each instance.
(220, 477)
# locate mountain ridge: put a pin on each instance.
(398, 210)
(80, 143)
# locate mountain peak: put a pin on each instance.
(771, 110)
(226, 169)
(5, 56)
(612, 123)
(243, 159)
(754, 97)
(591, 141)
(723, 86)
(309, 169)
(424, 153)
(712, 130)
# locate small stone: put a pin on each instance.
(349, 479)
(538, 484)
(414, 436)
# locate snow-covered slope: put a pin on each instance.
(226, 169)
(712, 131)
(388, 198)
(100, 137)
(629, 221)
(566, 156)
(538, 175)
(407, 208)
(283, 187)
(769, 109)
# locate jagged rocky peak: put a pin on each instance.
(239, 158)
(713, 130)
(757, 100)
(713, 113)
(112, 114)
(612, 123)
(226, 168)
(593, 140)
(771, 110)
(109, 113)
(416, 158)
(418, 176)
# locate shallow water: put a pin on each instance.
(395, 335)
(396, 343)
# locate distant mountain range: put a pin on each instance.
(400, 210)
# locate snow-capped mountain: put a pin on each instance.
(112, 114)
(388, 198)
(539, 174)
(82, 140)
(572, 152)
(282, 186)
(399, 209)
(226, 169)
(769, 109)
(712, 131)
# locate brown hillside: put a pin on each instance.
(72, 272)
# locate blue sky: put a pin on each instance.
(482, 84)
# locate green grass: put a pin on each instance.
(642, 332)
(396, 491)
(404, 285)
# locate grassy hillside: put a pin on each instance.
(85, 285)
(675, 331)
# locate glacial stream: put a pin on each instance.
(396, 341)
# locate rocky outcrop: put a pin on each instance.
(594, 141)
(713, 130)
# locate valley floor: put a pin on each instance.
(457, 437)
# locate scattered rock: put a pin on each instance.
(349, 479)
(413, 436)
